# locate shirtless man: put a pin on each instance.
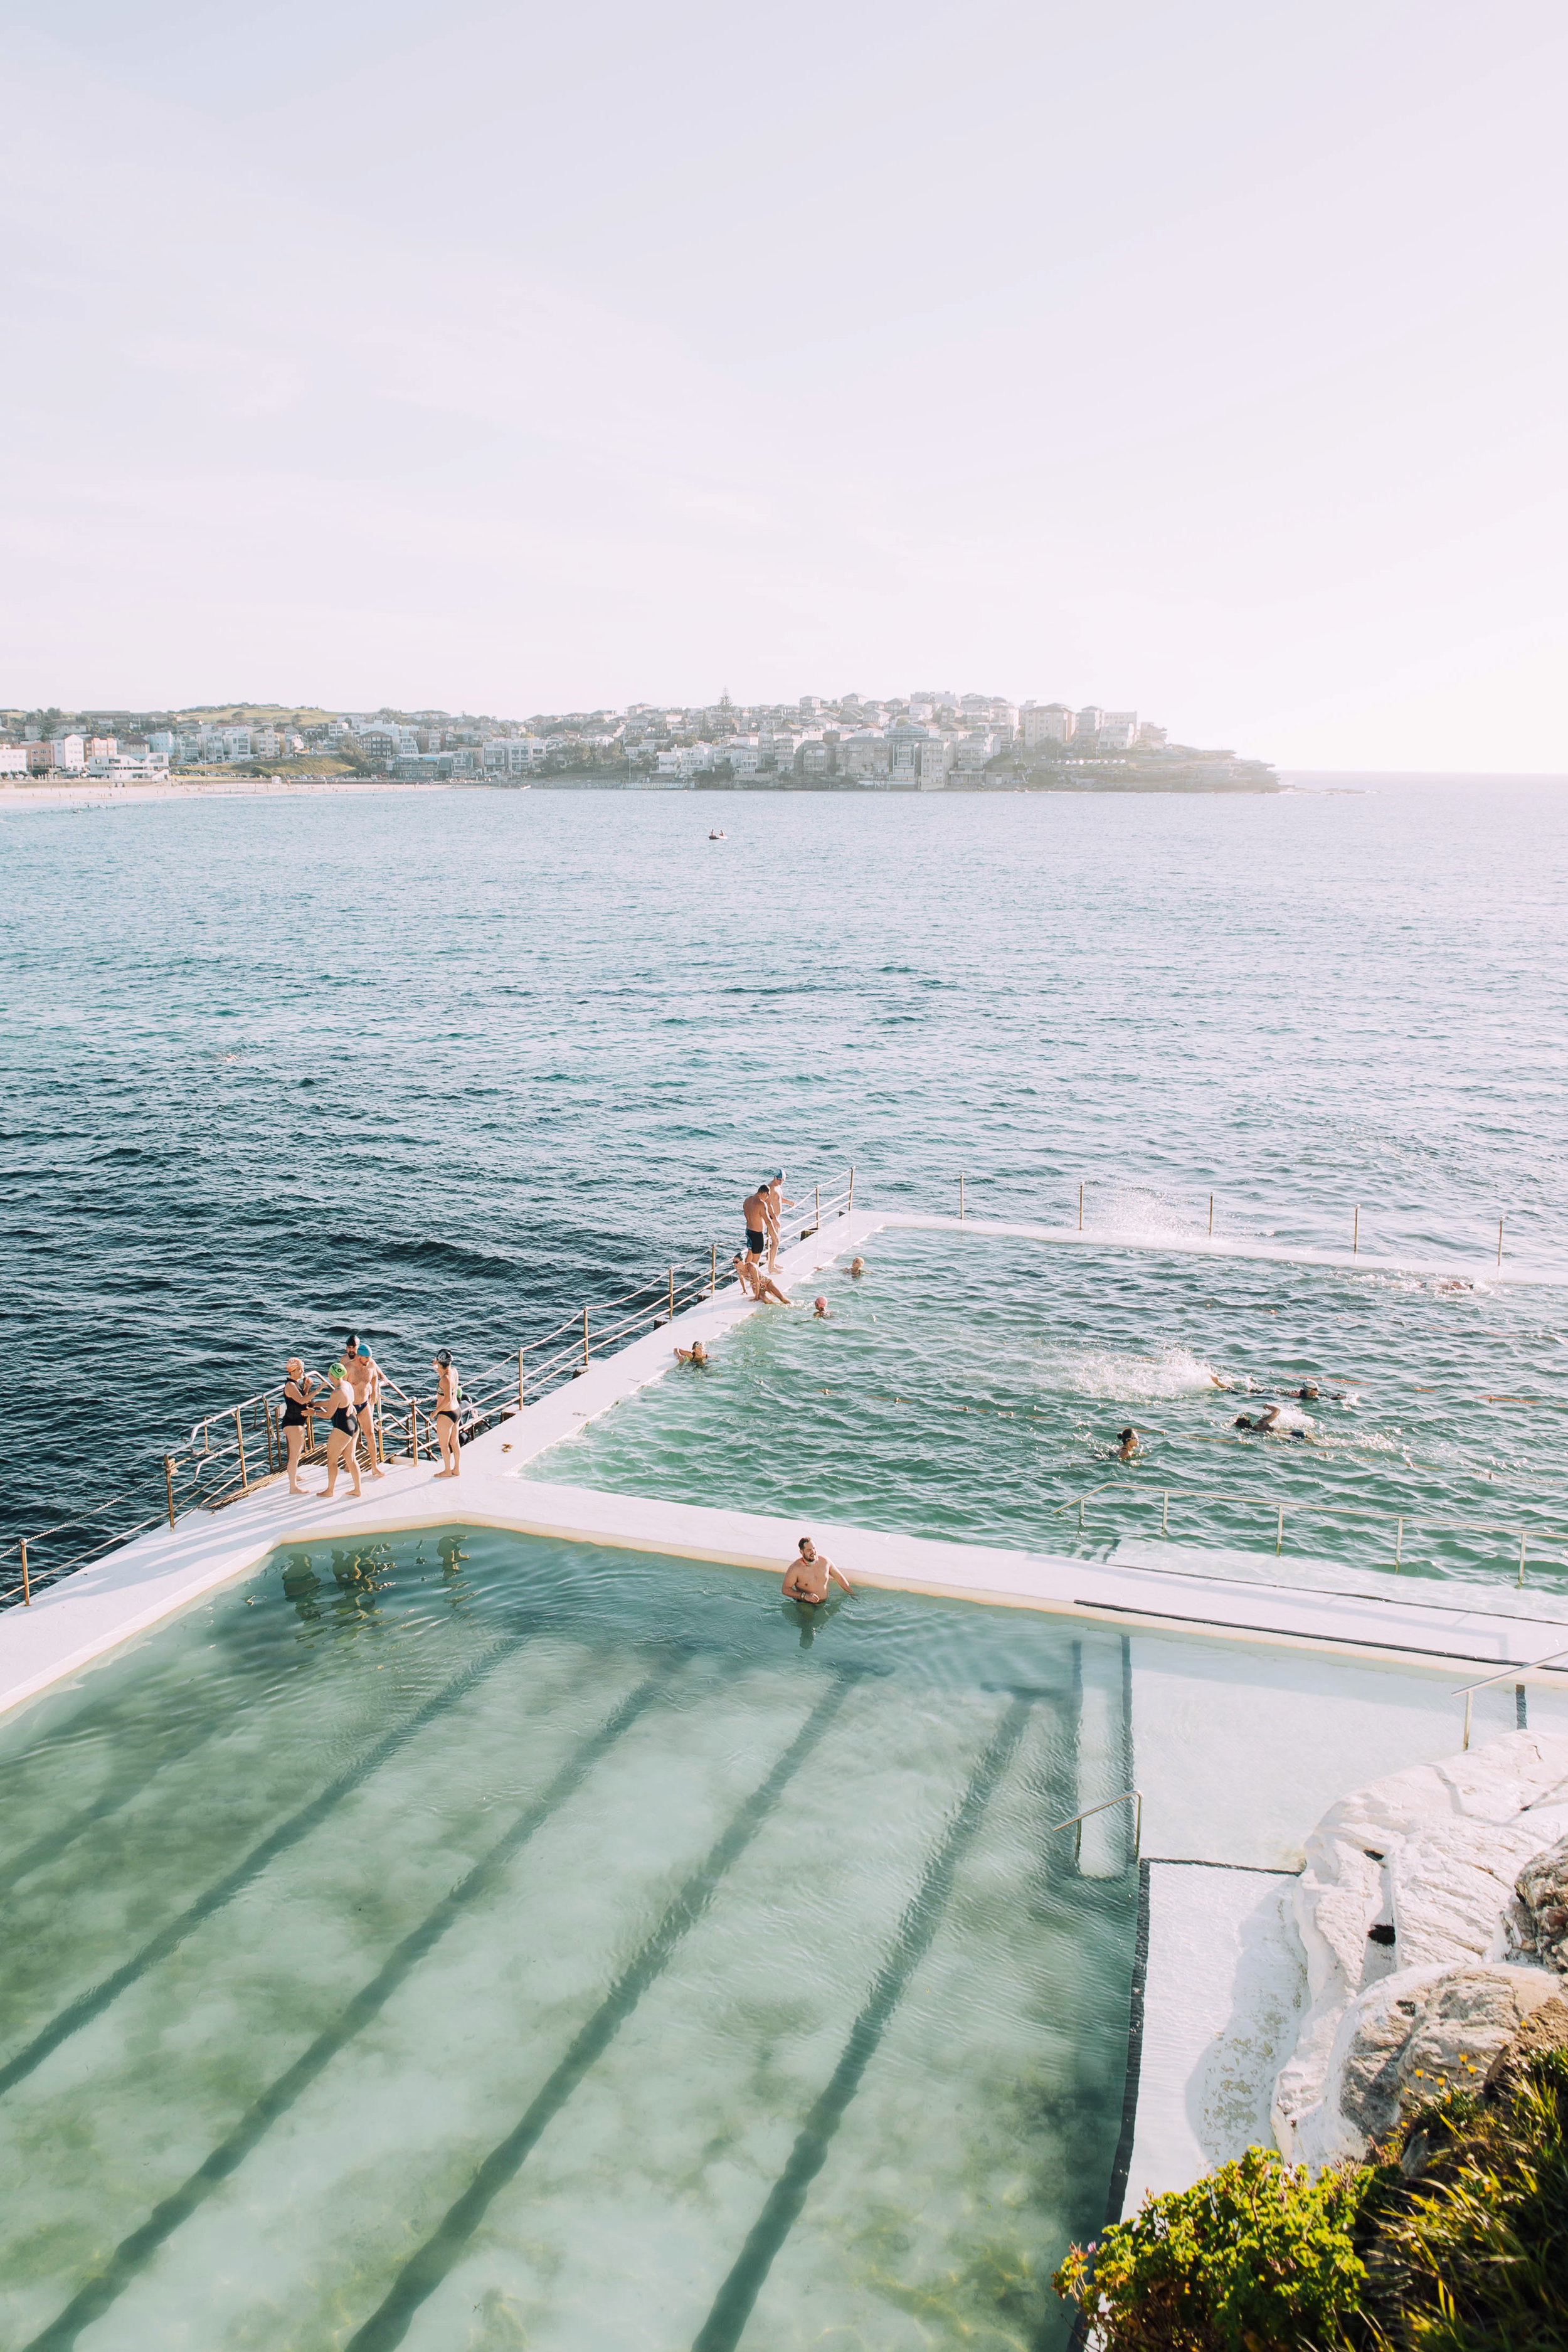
(805, 1579)
(756, 1283)
(363, 1376)
(755, 1210)
(777, 1206)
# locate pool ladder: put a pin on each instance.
(1134, 1797)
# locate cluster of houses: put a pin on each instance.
(920, 742)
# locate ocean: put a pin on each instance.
(439, 1067)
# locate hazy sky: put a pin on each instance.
(1206, 359)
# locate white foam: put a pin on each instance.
(1129, 1378)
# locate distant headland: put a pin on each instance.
(924, 741)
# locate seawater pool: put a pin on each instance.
(475, 1941)
(973, 1387)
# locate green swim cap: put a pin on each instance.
(334, 1372)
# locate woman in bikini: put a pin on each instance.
(448, 1388)
(298, 1392)
(342, 1431)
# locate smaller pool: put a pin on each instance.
(973, 1388)
(486, 1942)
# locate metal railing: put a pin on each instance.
(1319, 1510)
(228, 1454)
(1504, 1674)
(1134, 1797)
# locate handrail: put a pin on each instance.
(1521, 1667)
(1128, 1797)
(231, 1451)
(1320, 1510)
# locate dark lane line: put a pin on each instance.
(425, 2271)
(55, 1842)
(134, 2253)
(733, 2307)
(92, 2004)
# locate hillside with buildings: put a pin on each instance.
(924, 741)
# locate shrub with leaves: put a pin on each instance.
(1258, 2256)
(1465, 2236)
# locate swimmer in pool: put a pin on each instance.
(856, 1269)
(696, 1356)
(1263, 1420)
(1127, 1446)
(805, 1579)
(819, 1309)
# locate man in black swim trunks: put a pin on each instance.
(755, 1209)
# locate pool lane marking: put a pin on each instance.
(447, 2242)
(726, 2323)
(54, 1841)
(134, 2253)
(92, 2004)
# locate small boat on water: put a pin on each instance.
(715, 837)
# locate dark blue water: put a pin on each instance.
(438, 1067)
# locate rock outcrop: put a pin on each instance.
(1537, 1923)
(1401, 1910)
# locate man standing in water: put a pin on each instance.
(805, 1579)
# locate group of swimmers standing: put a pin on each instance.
(351, 1397)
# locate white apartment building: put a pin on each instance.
(979, 747)
(744, 752)
(513, 755)
(1091, 718)
(13, 759)
(69, 753)
(128, 767)
(1118, 731)
(935, 756)
(1046, 722)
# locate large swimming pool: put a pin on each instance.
(973, 1388)
(484, 1942)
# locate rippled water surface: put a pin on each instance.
(438, 1066)
(459, 1943)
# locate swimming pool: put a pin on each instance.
(973, 1387)
(473, 1940)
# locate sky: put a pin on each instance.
(1207, 360)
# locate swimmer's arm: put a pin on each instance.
(838, 1574)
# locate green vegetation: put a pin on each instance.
(1456, 2239)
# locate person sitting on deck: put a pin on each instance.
(805, 1579)
(757, 1283)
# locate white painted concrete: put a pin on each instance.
(1226, 1987)
(128, 1590)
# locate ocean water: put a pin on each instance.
(439, 1067)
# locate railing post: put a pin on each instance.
(1523, 1540)
(1211, 1216)
(713, 1266)
(851, 1209)
(26, 1586)
(672, 1294)
(239, 1441)
(961, 1200)
(1165, 1511)
(1080, 1208)
(585, 1335)
(1398, 1544)
(169, 1485)
(414, 1431)
(520, 1379)
(1499, 1241)
(1355, 1234)
(1279, 1532)
(1469, 1699)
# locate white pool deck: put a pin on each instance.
(1339, 1687)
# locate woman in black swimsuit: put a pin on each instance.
(297, 1394)
(342, 1432)
(448, 1388)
